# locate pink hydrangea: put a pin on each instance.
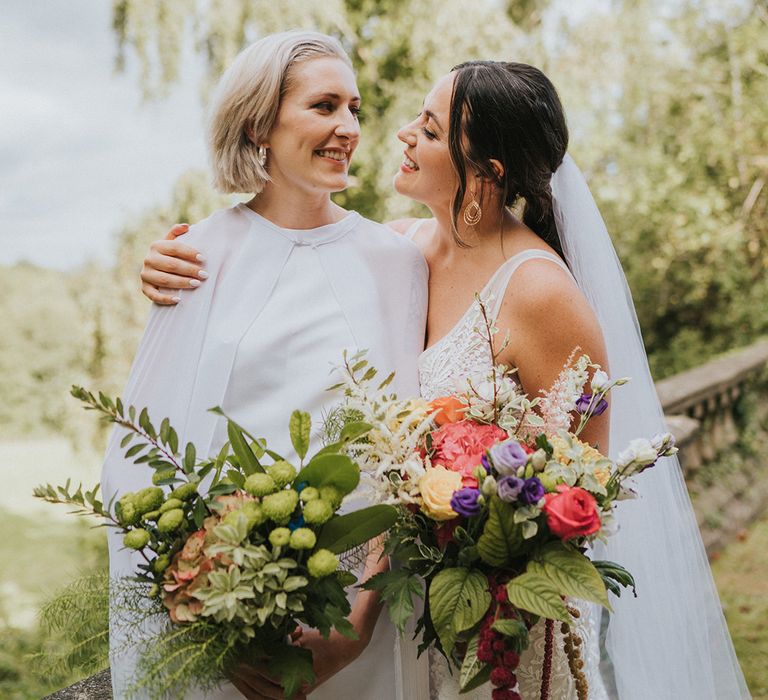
(460, 446)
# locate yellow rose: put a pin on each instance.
(437, 485)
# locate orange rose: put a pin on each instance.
(447, 409)
(571, 512)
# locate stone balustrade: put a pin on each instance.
(705, 409)
(702, 406)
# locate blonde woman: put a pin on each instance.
(292, 281)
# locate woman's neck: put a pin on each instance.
(493, 225)
(294, 209)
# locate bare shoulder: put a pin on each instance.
(540, 287)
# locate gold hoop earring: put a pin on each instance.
(472, 213)
(262, 155)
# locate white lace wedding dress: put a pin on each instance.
(462, 352)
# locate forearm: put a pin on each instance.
(367, 606)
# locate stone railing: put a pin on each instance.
(701, 406)
(704, 408)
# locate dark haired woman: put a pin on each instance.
(492, 135)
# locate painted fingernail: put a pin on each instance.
(194, 283)
(203, 275)
(199, 258)
(175, 300)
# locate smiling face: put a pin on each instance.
(426, 174)
(317, 128)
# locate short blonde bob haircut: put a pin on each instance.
(248, 98)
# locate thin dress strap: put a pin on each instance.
(497, 285)
(413, 228)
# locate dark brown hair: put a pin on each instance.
(509, 112)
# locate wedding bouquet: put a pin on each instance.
(234, 552)
(498, 499)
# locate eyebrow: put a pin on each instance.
(334, 96)
(432, 116)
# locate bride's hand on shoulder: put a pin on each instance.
(170, 265)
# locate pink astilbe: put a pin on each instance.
(558, 403)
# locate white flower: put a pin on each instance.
(600, 382)
(640, 453)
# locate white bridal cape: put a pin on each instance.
(259, 338)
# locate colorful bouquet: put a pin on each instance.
(498, 500)
(235, 552)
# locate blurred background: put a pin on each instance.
(102, 148)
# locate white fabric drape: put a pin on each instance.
(671, 642)
(185, 360)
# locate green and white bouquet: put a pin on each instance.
(236, 551)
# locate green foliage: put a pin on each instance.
(458, 599)
(350, 530)
(397, 588)
(502, 537)
(538, 595)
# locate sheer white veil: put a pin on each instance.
(672, 640)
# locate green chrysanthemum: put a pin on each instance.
(136, 539)
(170, 521)
(161, 563)
(303, 538)
(332, 495)
(260, 485)
(322, 563)
(126, 510)
(282, 472)
(317, 512)
(184, 492)
(171, 504)
(279, 537)
(279, 506)
(309, 493)
(163, 475)
(149, 499)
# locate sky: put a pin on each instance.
(81, 153)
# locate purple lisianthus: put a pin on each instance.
(508, 488)
(582, 405)
(464, 501)
(507, 456)
(486, 464)
(532, 491)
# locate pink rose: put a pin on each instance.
(460, 446)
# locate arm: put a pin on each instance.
(547, 317)
(171, 265)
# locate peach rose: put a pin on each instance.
(437, 485)
(447, 409)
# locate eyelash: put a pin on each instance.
(431, 135)
(328, 107)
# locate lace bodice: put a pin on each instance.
(461, 352)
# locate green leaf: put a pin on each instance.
(248, 461)
(293, 665)
(236, 478)
(458, 599)
(515, 631)
(299, 427)
(165, 430)
(173, 441)
(472, 669)
(354, 430)
(126, 439)
(331, 470)
(344, 532)
(397, 588)
(536, 594)
(133, 451)
(571, 573)
(502, 537)
(199, 512)
(615, 576)
(190, 456)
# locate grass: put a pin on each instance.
(741, 575)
